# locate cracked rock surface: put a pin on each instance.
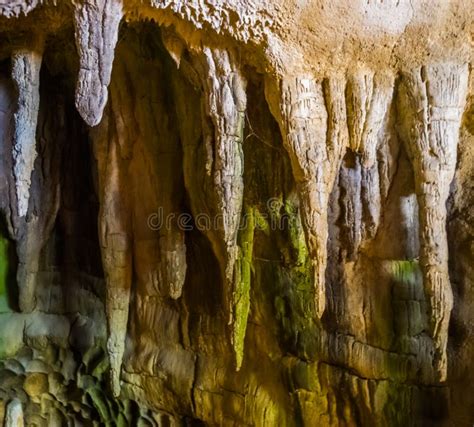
(236, 213)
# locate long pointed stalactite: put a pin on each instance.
(337, 132)
(301, 112)
(129, 236)
(368, 97)
(241, 286)
(34, 230)
(96, 29)
(36, 210)
(153, 274)
(26, 66)
(431, 104)
(224, 104)
(115, 241)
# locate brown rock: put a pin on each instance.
(36, 384)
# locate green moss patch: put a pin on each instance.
(242, 280)
(4, 274)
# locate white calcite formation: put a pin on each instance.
(26, 66)
(96, 26)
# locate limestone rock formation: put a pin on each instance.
(432, 103)
(236, 213)
(96, 26)
(26, 65)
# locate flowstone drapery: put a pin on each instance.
(236, 213)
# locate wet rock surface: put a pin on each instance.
(236, 213)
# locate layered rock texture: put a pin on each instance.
(236, 213)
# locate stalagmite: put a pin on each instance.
(314, 136)
(96, 29)
(431, 102)
(26, 66)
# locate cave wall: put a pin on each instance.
(236, 213)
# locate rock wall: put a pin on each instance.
(236, 213)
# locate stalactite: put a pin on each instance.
(368, 96)
(96, 28)
(431, 103)
(361, 204)
(371, 202)
(337, 133)
(115, 241)
(137, 134)
(26, 66)
(315, 158)
(223, 107)
(173, 44)
(242, 280)
(350, 178)
(307, 269)
(213, 170)
(224, 104)
(32, 230)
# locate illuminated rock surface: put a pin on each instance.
(236, 213)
